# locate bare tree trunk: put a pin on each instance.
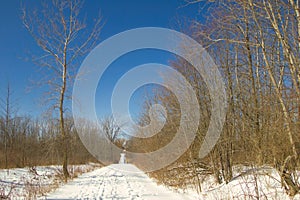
(7, 125)
(292, 187)
(59, 33)
(278, 94)
(61, 112)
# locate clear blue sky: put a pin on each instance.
(119, 15)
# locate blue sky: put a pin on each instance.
(119, 15)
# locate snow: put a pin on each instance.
(29, 183)
(125, 181)
(122, 159)
(117, 181)
(248, 183)
(23, 182)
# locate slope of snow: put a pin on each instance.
(248, 183)
(118, 181)
(29, 183)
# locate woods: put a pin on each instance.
(256, 46)
(254, 43)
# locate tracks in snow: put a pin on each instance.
(118, 181)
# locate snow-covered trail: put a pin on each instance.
(118, 181)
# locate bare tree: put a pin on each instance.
(112, 131)
(256, 46)
(58, 29)
(111, 128)
(7, 110)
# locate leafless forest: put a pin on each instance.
(255, 43)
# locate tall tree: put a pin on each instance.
(62, 33)
(7, 109)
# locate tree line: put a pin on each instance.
(27, 141)
(256, 44)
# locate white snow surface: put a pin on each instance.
(117, 181)
(125, 181)
(25, 183)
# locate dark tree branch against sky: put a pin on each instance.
(17, 47)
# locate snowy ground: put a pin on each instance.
(248, 183)
(29, 183)
(118, 181)
(125, 181)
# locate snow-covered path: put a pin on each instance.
(118, 181)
